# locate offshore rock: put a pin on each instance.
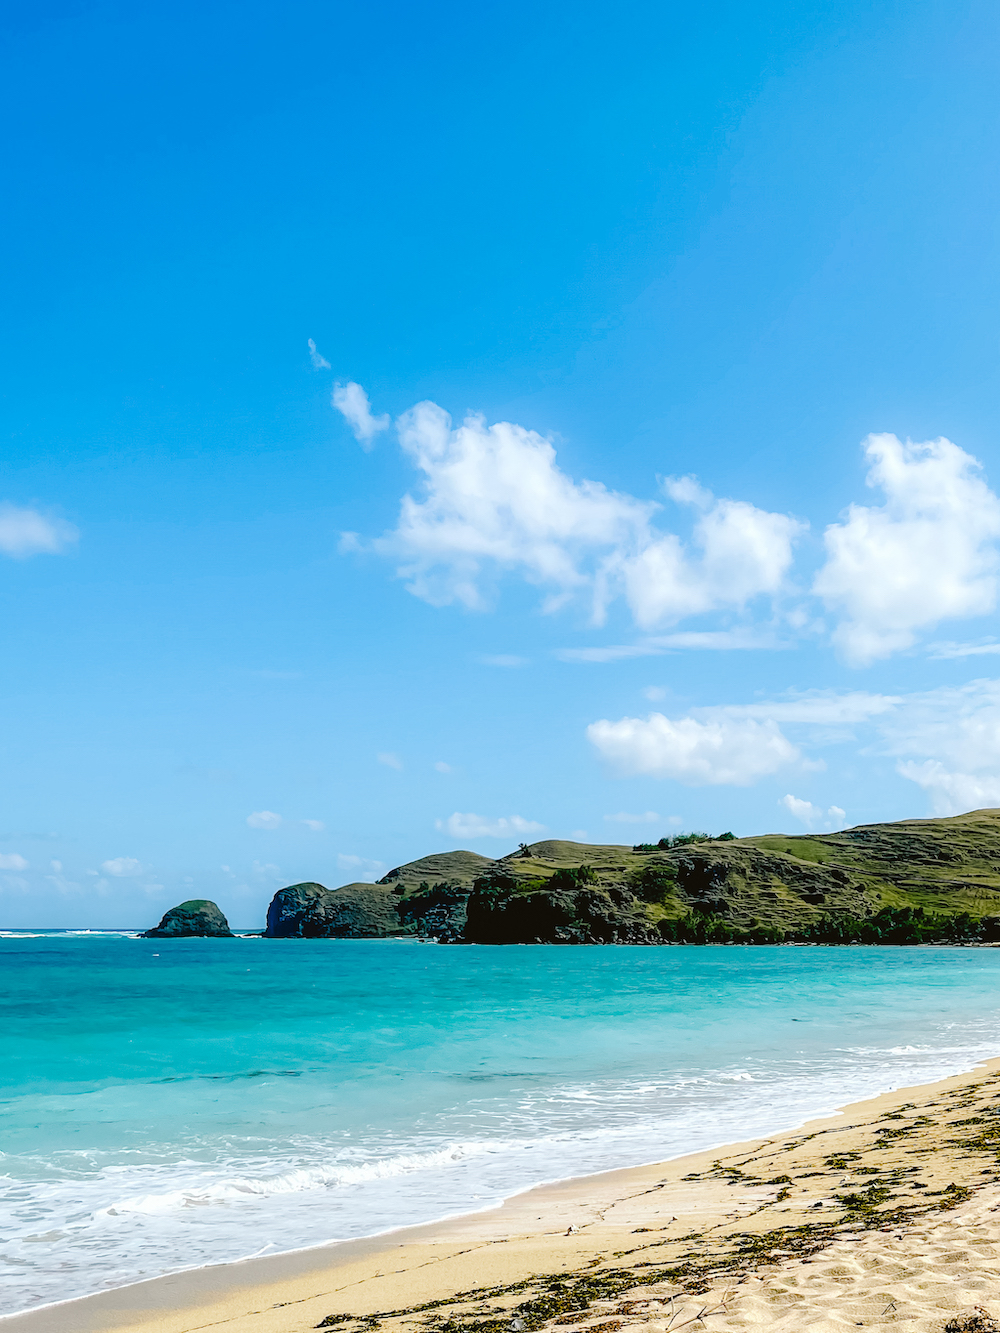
(312, 911)
(196, 917)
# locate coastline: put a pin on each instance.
(679, 1224)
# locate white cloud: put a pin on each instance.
(926, 555)
(654, 693)
(390, 760)
(650, 817)
(442, 767)
(475, 826)
(503, 660)
(56, 865)
(361, 867)
(948, 741)
(265, 819)
(946, 652)
(719, 751)
(810, 815)
(319, 362)
(953, 793)
(352, 403)
(26, 532)
(495, 500)
(737, 553)
(123, 867)
(816, 708)
(657, 645)
(313, 825)
(617, 652)
(11, 861)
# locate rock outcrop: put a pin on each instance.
(311, 911)
(198, 916)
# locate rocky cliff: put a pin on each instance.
(310, 911)
(198, 916)
(904, 877)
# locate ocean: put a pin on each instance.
(172, 1103)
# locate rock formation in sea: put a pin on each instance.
(198, 916)
(311, 911)
(893, 883)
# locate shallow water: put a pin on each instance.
(168, 1103)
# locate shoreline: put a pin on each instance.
(572, 1226)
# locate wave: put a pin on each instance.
(299, 1180)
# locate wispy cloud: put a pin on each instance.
(476, 826)
(503, 660)
(319, 362)
(264, 819)
(650, 817)
(123, 867)
(352, 403)
(944, 652)
(390, 760)
(27, 532)
(363, 868)
(12, 861)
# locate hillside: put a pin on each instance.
(918, 878)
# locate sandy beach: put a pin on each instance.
(885, 1215)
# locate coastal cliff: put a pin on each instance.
(905, 882)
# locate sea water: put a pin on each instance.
(171, 1103)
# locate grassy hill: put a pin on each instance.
(765, 886)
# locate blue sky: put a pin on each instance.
(640, 474)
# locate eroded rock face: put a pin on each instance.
(311, 911)
(198, 916)
(497, 913)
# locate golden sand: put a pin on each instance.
(884, 1216)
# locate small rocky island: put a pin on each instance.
(196, 917)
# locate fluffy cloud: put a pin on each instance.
(495, 500)
(807, 813)
(475, 826)
(947, 741)
(25, 532)
(123, 867)
(928, 554)
(265, 819)
(737, 552)
(352, 403)
(718, 751)
(11, 861)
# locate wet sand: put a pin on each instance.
(885, 1215)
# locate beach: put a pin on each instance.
(884, 1215)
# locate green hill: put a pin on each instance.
(918, 879)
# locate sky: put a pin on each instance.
(451, 426)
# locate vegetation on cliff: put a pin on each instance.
(915, 881)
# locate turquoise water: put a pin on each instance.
(172, 1103)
